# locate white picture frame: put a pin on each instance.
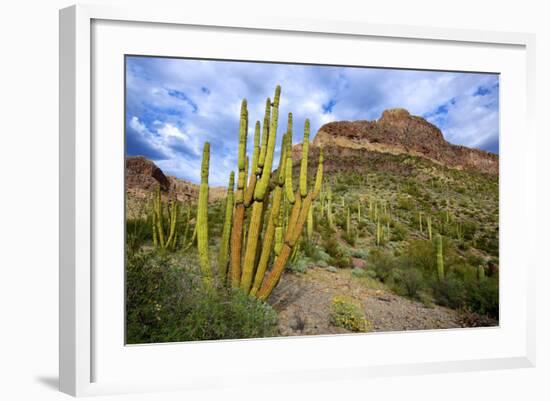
(81, 157)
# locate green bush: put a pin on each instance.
(346, 313)
(408, 282)
(382, 262)
(167, 302)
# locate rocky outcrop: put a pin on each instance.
(399, 132)
(143, 177)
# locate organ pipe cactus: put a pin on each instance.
(249, 258)
(238, 218)
(226, 233)
(429, 224)
(202, 217)
(162, 240)
(309, 228)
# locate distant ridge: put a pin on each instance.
(143, 177)
(399, 132)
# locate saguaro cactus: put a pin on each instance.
(202, 217)
(439, 258)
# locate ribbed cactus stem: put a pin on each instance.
(298, 217)
(420, 221)
(348, 222)
(265, 136)
(202, 217)
(378, 233)
(289, 190)
(159, 219)
(305, 156)
(439, 259)
(226, 232)
(429, 223)
(358, 210)
(238, 219)
(319, 176)
(255, 150)
(263, 183)
(309, 228)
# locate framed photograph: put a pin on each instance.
(290, 200)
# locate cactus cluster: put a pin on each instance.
(269, 214)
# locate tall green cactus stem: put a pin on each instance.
(263, 184)
(420, 222)
(371, 208)
(429, 223)
(249, 192)
(159, 218)
(162, 240)
(439, 258)
(348, 222)
(173, 216)
(154, 228)
(303, 167)
(289, 190)
(378, 232)
(330, 218)
(202, 218)
(358, 210)
(294, 230)
(309, 228)
(260, 191)
(273, 231)
(265, 136)
(238, 219)
(226, 233)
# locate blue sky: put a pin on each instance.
(174, 105)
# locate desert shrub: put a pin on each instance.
(405, 203)
(449, 292)
(361, 253)
(346, 313)
(482, 297)
(166, 301)
(357, 272)
(351, 238)
(398, 231)
(382, 262)
(138, 231)
(408, 282)
(300, 265)
(420, 254)
(339, 255)
(322, 263)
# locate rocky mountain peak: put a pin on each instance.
(399, 132)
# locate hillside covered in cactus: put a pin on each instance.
(361, 226)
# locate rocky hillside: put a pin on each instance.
(143, 177)
(398, 132)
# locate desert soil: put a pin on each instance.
(303, 304)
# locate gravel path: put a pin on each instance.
(303, 303)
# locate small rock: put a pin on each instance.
(332, 269)
(358, 263)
